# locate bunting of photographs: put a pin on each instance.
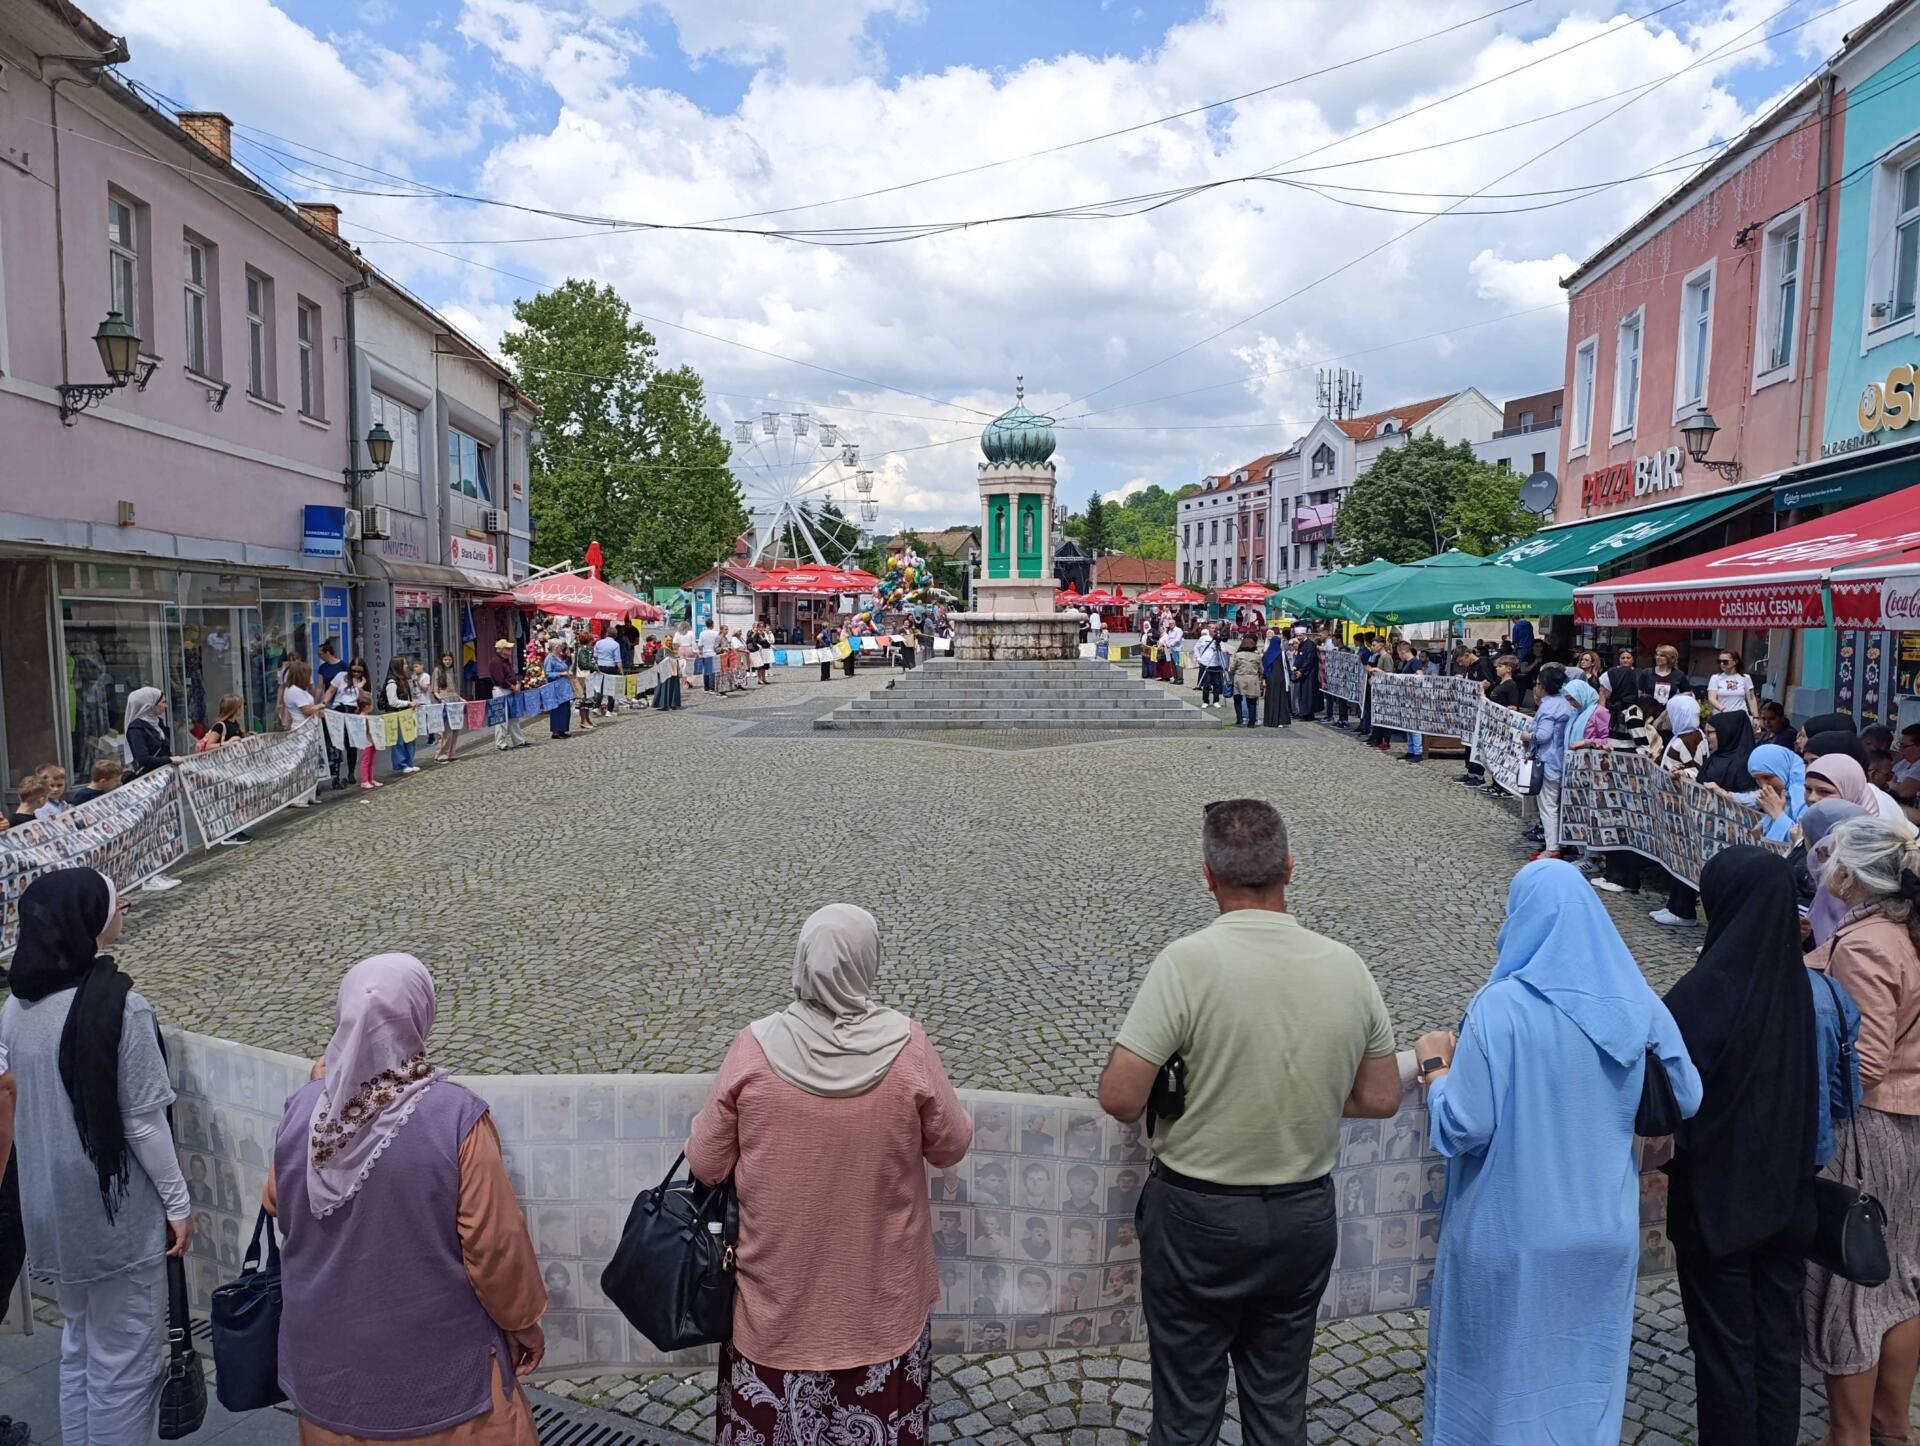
(1500, 742)
(1033, 1231)
(238, 784)
(129, 835)
(1346, 676)
(1425, 703)
(1622, 800)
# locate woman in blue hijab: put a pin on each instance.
(1533, 1108)
(1585, 703)
(1780, 775)
(1273, 665)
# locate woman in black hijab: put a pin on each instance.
(1741, 1176)
(1726, 766)
(102, 1198)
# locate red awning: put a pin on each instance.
(571, 596)
(1780, 580)
(1246, 592)
(816, 577)
(1169, 595)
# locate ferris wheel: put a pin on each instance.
(790, 465)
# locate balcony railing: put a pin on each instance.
(1522, 431)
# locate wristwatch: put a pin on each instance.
(1428, 1066)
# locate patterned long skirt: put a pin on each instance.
(883, 1405)
(1842, 1323)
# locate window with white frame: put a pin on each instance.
(196, 276)
(1906, 240)
(467, 466)
(399, 485)
(259, 335)
(1693, 355)
(1586, 358)
(123, 259)
(307, 333)
(1779, 294)
(1626, 371)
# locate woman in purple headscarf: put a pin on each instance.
(412, 1294)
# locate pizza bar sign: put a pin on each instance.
(1628, 481)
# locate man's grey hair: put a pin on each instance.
(1244, 841)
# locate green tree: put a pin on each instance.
(1140, 525)
(1424, 497)
(627, 454)
(1093, 536)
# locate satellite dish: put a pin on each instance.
(1539, 492)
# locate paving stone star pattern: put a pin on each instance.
(628, 900)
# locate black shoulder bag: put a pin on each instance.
(246, 1328)
(1850, 1226)
(671, 1275)
(1659, 1111)
(183, 1395)
(1168, 1098)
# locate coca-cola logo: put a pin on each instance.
(1830, 547)
(1900, 601)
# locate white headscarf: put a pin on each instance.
(141, 703)
(833, 1040)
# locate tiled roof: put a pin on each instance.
(1119, 570)
(1405, 417)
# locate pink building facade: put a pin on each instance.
(186, 531)
(1709, 303)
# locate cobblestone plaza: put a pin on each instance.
(628, 902)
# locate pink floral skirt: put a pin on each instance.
(865, 1406)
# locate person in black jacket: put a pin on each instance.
(147, 741)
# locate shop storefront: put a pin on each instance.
(1844, 588)
(83, 635)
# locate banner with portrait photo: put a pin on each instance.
(1033, 1231)
(129, 834)
(238, 784)
(1500, 742)
(1425, 703)
(1625, 800)
(1346, 676)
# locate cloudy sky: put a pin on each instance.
(1170, 344)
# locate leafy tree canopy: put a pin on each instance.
(1425, 496)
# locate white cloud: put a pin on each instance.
(1074, 305)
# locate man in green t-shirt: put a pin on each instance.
(1282, 1032)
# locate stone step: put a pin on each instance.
(836, 723)
(1017, 705)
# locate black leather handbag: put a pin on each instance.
(246, 1329)
(671, 1275)
(1659, 1111)
(1167, 1100)
(1850, 1226)
(183, 1395)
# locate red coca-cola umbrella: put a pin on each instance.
(569, 595)
(1169, 595)
(1246, 592)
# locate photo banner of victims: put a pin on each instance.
(1621, 800)
(1033, 1231)
(130, 834)
(1346, 676)
(1425, 703)
(1500, 737)
(238, 784)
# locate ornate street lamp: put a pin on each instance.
(379, 452)
(1699, 432)
(119, 347)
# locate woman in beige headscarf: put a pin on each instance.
(826, 1116)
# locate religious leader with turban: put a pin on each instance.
(411, 1294)
(83, 1099)
(826, 1115)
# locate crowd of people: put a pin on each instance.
(413, 1296)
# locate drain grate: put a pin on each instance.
(562, 1423)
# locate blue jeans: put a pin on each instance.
(1246, 710)
(400, 755)
(1415, 747)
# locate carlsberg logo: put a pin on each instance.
(1472, 609)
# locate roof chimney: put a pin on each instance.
(211, 129)
(321, 214)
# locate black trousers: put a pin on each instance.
(1233, 1277)
(1210, 680)
(1743, 1325)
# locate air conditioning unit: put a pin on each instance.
(353, 524)
(492, 521)
(376, 522)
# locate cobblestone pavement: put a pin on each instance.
(629, 901)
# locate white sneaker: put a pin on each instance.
(1670, 920)
(410, 769)
(1607, 886)
(159, 884)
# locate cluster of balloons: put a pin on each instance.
(908, 588)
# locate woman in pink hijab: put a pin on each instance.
(412, 1298)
